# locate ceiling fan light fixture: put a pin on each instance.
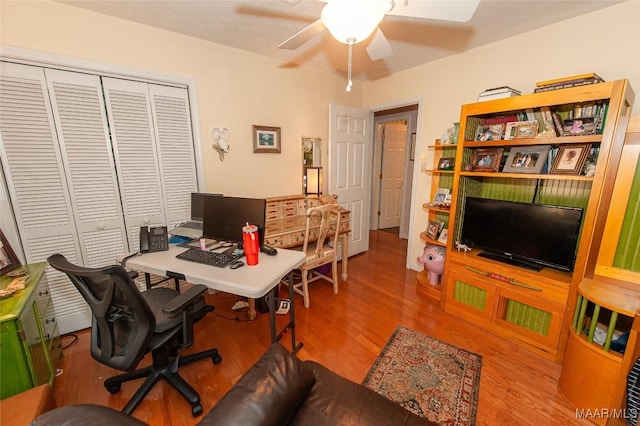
(351, 21)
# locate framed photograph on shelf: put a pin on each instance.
(526, 129)
(444, 234)
(492, 132)
(446, 163)
(441, 195)
(8, 259)
(266, 139)
(434, 228)
(570, 159)
(486, 160)
(527, 159)
(510, 130)
(579, 126)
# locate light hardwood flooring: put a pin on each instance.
(345, 332)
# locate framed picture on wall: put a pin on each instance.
(266, 139)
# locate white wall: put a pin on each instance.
(606, 42)
(236, 89)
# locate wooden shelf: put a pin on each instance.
(435, 171)
(562, 140)
(526, 176)
(433, 290)
(426, 206)
(425, 238)
(556, 290)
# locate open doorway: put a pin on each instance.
(394, 136)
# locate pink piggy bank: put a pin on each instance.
(433, 259)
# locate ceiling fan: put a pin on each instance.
(352, 21)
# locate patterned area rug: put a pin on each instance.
(428, 377)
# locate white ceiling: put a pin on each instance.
(259, 26)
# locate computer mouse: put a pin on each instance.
(236, 264)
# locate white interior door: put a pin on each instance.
(394, 141)
(350, 154)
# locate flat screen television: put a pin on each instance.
(523, 234)
(224, 217)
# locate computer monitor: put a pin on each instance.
(197, 205)
(224, 217)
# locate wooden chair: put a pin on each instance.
(322, 251)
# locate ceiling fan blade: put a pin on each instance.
(446, 10)
(379, 46)
(303, 36)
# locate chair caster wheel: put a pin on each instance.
(217, 359)
(196, 410)
(112, 388)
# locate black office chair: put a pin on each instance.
(127, 324)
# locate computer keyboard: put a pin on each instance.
(206, 257)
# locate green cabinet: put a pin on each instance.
(29, 340)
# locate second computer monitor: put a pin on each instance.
(197, 204)
(224, 217)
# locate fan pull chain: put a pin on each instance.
(349, 83)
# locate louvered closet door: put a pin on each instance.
(172, 124)
(132, 136)
(83, 134)
(33, 169)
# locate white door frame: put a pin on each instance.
(377, 165)
(415, 168)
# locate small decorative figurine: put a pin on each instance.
(433, 259)
(462, 247)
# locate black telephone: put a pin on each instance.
(154, 239)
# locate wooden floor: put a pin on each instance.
(345, 332)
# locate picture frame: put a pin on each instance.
(444, 235)
(266, 139)
(570, 159)
(433, 229)
(527, 159)
(412, 152)
(8, 259)
(510, 130)
(579, 126)
(440, 196)
(526, 129)
(486, 159)
(446, 163)
(491, 132)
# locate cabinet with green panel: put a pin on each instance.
(29, 340)
(528, 306)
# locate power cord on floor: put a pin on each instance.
(74, 340)
(236, 318)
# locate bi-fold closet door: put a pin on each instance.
(87, 161)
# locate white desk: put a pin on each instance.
(248, 281)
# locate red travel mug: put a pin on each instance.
(251, 244)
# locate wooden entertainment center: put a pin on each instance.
(533, 309)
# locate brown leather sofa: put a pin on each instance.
(279, 389)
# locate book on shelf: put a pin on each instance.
(500, 89)
(500, 95)
(568, 79)
(499, 119)
(566, 85)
